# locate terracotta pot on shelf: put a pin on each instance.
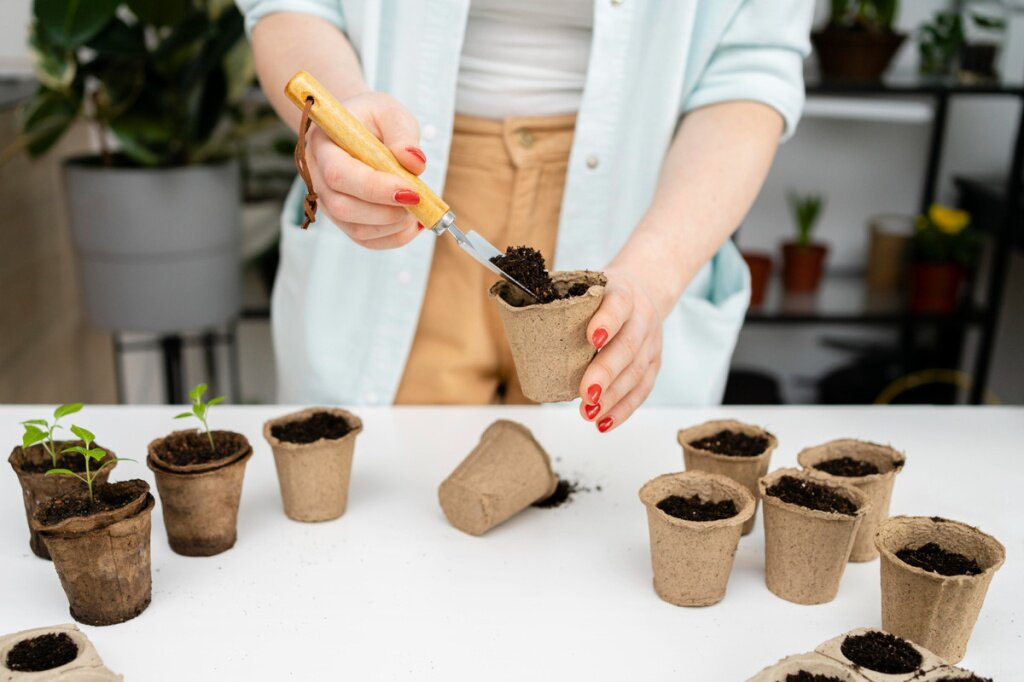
(934, 287)
(760, 266)
(855, 56)
(802, 267)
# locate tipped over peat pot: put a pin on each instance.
(101, 550)
(743, 456)
(51, 654)
(935, 610)
(691, 558)
(31, 464)
(870, 467)
(813, 666)
(881, 656)
(505, 473)
(313, 451)
(810, 522)
(549, 340)
(200, 489)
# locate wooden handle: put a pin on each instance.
(349, 133)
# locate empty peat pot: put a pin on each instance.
(51, 654)
(200, 498)
(549, 340)
(31, 464)
(703, 452)
(102, 556)
(937, 611)
(814, 664)
(505, 473)
(881, 656)
(870, 467)
(313, 451)
(806, 549)
(692, 559)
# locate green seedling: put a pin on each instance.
(199, 410)
(806, 210)
(41, 431)
(89, 454)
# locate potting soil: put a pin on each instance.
(319, 425)
(932, 557)
(732, 443)
(693, 508)
(183, 448)
(70, 460)
(847, 466)
(804, 676)
(562, 495)
(811, 495)
(105, 498)
(527, 267)
(882, 652)
(44, 652)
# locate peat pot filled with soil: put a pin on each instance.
(505, 473)
(549, 339)
(870, 467)
(810, 522)
(731, 448)
(313, 451)
(200, 488)
(935, 575)
(812, 667)
(59, 652)
(100, 548)
(881, 656)
(695, 520)
(31, 464)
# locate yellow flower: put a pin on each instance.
(950, 221)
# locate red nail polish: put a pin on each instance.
(418, 153)
(419, 226)
(592, 411)
(605, 424)
(600, 338)
(594, 394)
(407, 197)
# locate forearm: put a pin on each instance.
(710, 178)
(287, 42)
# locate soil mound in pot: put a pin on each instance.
(526, 266)
(732, 444)
(192, 448)
(932, 557)
(105, 498)
(804, 676)
(44, 652)
(847, 466)
(811, 495)
(317, 426)
(693, 508)
(37, 461)
(882, 652)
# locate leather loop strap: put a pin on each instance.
(309, 203)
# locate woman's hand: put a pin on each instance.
(627, 331)
(367, 204)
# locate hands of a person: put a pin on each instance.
(367, 204)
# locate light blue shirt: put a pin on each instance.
(344, 317)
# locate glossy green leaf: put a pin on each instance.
(197, 392)
(70, 23)
(200, 411)
(96, 453)
(46, 118)
(119, 38)
(63, 472)
(83, 433)
(65, 410)
(219, 399)
(183, 415)
(36, 422)
(32, 436)
(76, 449)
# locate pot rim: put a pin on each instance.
(16, 465)
(989, 540)
(157, 468)
(595, 290)
(853, 494)
(899, 460)
(129, 511)
(743, 514)
(730, 424)
(353, 421)
(212, 465)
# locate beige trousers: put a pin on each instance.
(505, 180)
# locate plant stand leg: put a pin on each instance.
(173, 379)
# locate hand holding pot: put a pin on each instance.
(369, 205)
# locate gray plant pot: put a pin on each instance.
(158, 248)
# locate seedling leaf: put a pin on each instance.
(214, 401)
(32, 436)
(76, 449)
(183, 415)
(65, 410)
(35, 422)
(197, 392)
(65, 472)
(83, 433)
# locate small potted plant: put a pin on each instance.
(939, 43)
(935, 575)
(548, 333)
(695, 520)
(504, 474)
(810, 523)
(985, 32)
(40, 452)
(941, 251)
(760, 266)
(199, 476)
(98, 539)
(313, 451)
(881, 656)
(63, 651)
(858, 42)
(803, 259)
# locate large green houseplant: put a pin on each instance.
(858, 42)
(154, 214)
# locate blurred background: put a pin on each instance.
(886, 248)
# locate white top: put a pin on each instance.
(524, 58)
(391, 592)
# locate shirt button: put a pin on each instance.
(525, 137)
(429, 132)
(404, 276)
(592, 162)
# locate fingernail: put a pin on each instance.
(419, 226)
(605, 424)
(592, 411)
(600, 338)
(407, 197)
(594, 394)
(418, 153)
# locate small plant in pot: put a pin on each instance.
(40, 452)
(939, 43)
(98, 538)
(858, 42)
(939, 255)
(199, 478)
(61, 651)
(803, 260)
(984, 34)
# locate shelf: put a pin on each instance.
(868, 109)
(911, 84)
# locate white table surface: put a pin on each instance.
(391, 591)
